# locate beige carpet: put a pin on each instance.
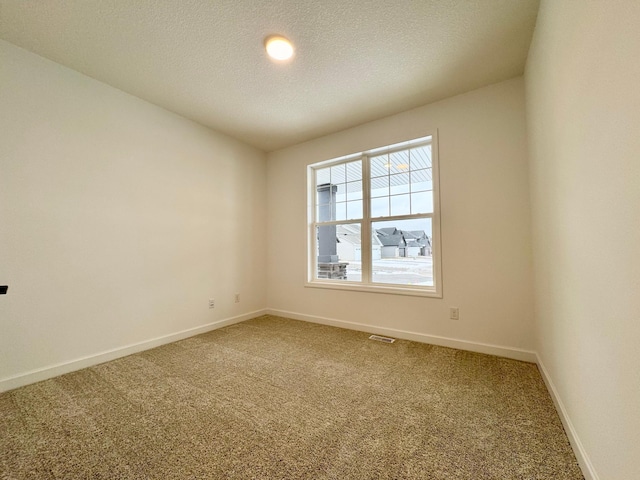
(273, 398)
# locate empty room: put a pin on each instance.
(250, 239)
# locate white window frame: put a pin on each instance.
(367, 285)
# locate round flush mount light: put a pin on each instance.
(278, 47)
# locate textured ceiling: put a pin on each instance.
(356, 60)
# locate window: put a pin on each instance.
(374, 221)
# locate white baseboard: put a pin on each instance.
(508, 352)
(578, 449)
(61, 368)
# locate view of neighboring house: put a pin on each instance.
(388, 242)
(421, 239)
(392, 242)
(403, 243)
(349, 244)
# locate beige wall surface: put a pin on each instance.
(118, 219)
(486, 255)
(583, 113)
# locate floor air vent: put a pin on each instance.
(382, 339)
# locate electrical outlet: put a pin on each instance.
(237, 298)
(454, 313)
(212, 303)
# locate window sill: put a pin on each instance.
(387, 289)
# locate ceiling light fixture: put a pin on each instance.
(278, 47)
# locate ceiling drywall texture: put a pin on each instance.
(355, 60)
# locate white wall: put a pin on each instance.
(118, 219)
(485, 222)
(583, 104)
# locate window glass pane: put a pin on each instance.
(399, 183)
(338, 173)
(354, 190)
(339, 252)
(323, 213)
(400, 205)
(380, 207)
(422, 202)
(380, 166)
(354, 209)
(341, 211)
(380, 187)
(341, 192)
(421, 180)
(401, 252)
(420, 157)
(325, 198)
(323, 175)
(354, 171)
(399, 161)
